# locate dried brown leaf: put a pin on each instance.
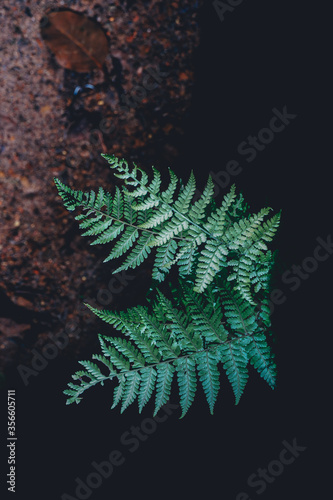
(77, 42)
(11, 328)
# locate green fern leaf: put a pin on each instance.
(205, 316)
(234, 359)
(128, 351)
(164, 256)
(138, 254)
(167, 195)
(209, 376)
(240, 315)
(197, 210)
(217, 317)
(211, 261)
(130, 390)
(187, 382)
(216, 222)
(118, 391)
(124, 243)
(165, 374)
(261, 358)
(188, 335)
(109, 235)
(92, 370)
(193, 235)
(148, 378)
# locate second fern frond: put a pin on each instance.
(187, 341)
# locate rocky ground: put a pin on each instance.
(53, 125)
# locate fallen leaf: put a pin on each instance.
(11, 328)
(77, 42)
(21, 301)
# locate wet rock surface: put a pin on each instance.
(57, 122)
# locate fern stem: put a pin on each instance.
(96, 210)
(168, 361)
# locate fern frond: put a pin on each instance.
(195, 236)
(187, 336)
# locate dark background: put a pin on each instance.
(263, 55)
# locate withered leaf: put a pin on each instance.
(12, 329)
(77, 42)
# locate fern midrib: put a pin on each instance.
(88, 385)
(169, 361)
(171, 207)
(155, 233)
